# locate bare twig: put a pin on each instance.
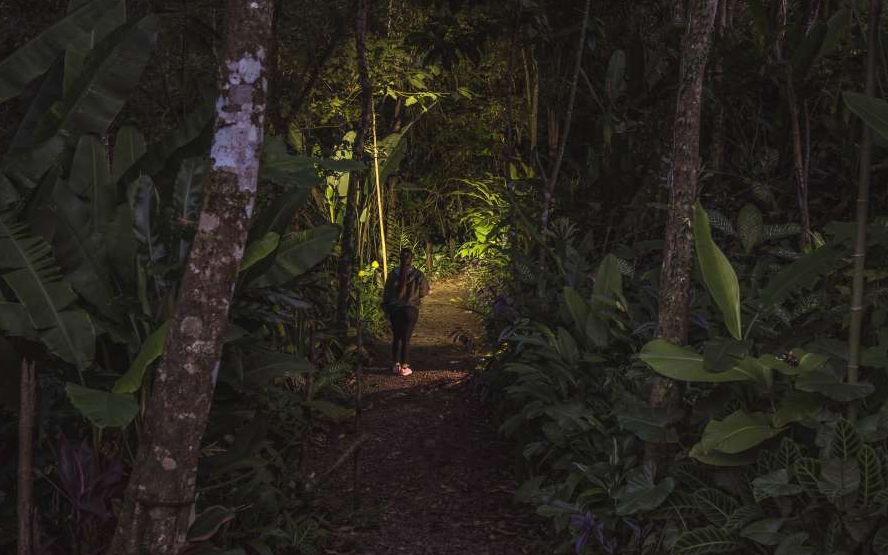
(348, 454)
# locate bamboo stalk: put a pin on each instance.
(866, 152)
(379, 196)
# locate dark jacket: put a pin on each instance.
(417, 288)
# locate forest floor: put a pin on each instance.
(435, 477)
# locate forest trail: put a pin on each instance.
(436, 479)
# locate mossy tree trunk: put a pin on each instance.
(159, 499)
(675, 274)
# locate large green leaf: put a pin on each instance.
(765, 531)
(166, 155)
(50, 92)
(825, 382)
(81, 253)
(151, 350)
(738, 432)
(34, 58)
(77, 52)
(298, 253)
(718, 274)
(838, 478)
(259, 250)
(803, 273)
(103, 408)
(716, 505)
(641, 493)
(278, 216)
(129, 146)
(774, 484)
(577, 307)
(14, 321)
(90, 179)
(873, 111)
(718, 458)
(113, 71)
(37, 282)
(608, 280)
(648, 423)
(871, 479)
(685, 365)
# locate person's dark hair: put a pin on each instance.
(406, 264)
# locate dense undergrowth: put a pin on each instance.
(769, 450)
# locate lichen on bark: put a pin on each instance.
(159, 499)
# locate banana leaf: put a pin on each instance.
(297, 254)
(166, 155)
(90, 179)
(129, 146)
(112, 71)
(77, 52)
(49, 93)
(33, 59)
(36, 280)
(82, 253)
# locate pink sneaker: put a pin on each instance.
(405, 370)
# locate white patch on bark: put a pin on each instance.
(208, 222)
(191, 326)
(238, 139)
(168, 464)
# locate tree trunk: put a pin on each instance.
(800, 167)
(559, 155)
(347, 253)
(866, 154)
(159, 499)
(675, 275)
(25, 486)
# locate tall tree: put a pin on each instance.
(160, 494)
(347, 253)
(675, 274)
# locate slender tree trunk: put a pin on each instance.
(159, 499)
(25, 486)
(866, 154)
(347, 254)
(568, 117)
(675, 275)
(800, 167)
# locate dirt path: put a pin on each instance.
(436, 479)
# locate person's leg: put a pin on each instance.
(411, 315)
(397, 338)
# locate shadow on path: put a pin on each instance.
(435, 477)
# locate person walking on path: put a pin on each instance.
(404, 289)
